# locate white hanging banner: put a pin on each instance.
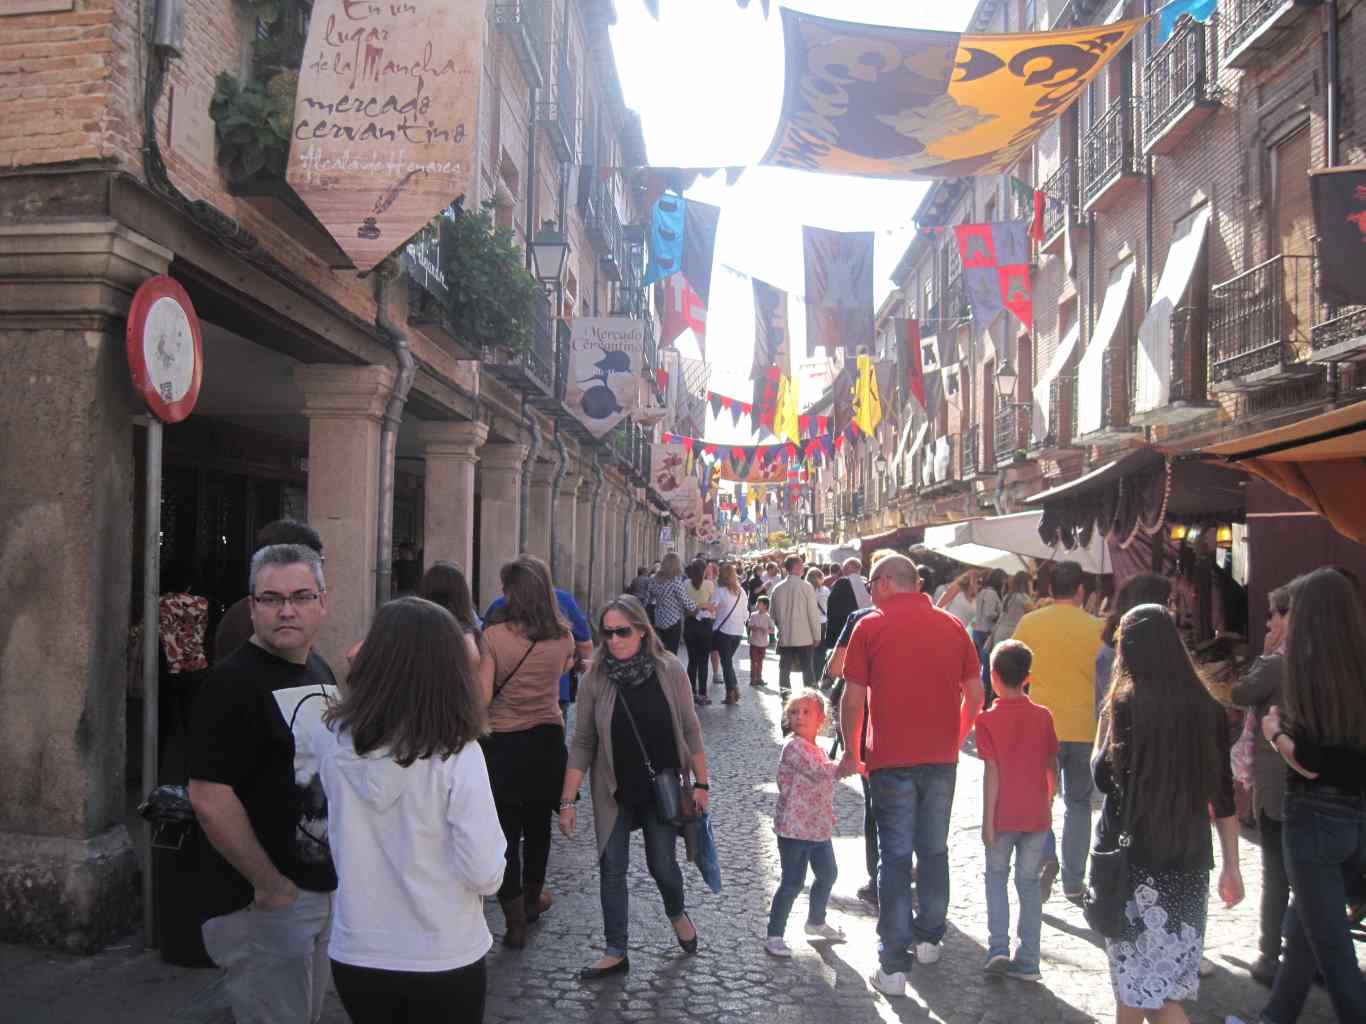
(1091, 398)
(606, 359)
(1153, 383)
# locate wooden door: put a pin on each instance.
(1292, 234)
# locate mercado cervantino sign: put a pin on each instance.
(384, 123)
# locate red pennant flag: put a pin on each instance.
(726, 402)
(662, 379)
(682, 310)
(687, 443)
(1036, 225)
(804, 424)
(839, 442)
(1017, 293)
(909, 336)
(746, 408)
(666, 438)
(710, 449)
(738, 453)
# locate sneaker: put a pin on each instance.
(1263, 970)
(868, 894)
(1048, 874)
(825, 930)
(1023, 972)
(775, 946)
(997, 963)
(927, 952)
(893, 984)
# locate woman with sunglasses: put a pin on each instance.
(635, 705)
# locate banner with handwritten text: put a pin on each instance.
(384, 123)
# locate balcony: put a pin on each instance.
(1109, 159)
(1061, 190)
(1114, 406)
(1009, 428)
(1340, 337)
(1250, 30)
(1261, 325)
(1177, 82)
(1060, 431)
(531, 370)
(972, 453)
(523, 22)
(603, 224)
(555, 114)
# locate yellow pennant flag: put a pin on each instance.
(867, 401)
(785, 419)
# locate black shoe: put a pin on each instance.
(1263, 970)
(689, 946)
(868, 894)
(594, 973)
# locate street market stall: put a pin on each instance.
(1006, 540)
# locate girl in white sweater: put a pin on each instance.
(411, 823)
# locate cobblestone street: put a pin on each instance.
(732, 979)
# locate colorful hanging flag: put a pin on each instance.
(839, 289)
(932, 373)
(1340, 221)
(842, 398)
(699, 245)
(908, 338)
(785, 410)
(996, 271)
(681, 309)
(666, 237)
(1170, 13)
(867, 400)
(911, 103)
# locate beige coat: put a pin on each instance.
(591, 748)
(797, 613)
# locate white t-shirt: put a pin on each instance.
(822, 600)
(732, 623)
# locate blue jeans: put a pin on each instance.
(795, 855)
(1028, 850)
(1074, 768)
(660, 844)
(1324, 840)
(979, 640)
(912, 807)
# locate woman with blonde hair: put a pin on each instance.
(668, 596)
(635, 719)
(960, 598)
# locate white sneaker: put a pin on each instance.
(775, 946)
(927, 952)
(893, 984)
(825, 930)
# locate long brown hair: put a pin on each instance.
(727, 579)
(445, 584)
(1143, 588)
(530, 601)
(411, 687)
(1325, 661)
(1163, 729)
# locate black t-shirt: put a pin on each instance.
(240, 736)
(653, 718)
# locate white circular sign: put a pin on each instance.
(168, 349)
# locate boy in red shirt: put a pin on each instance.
(1016, 741)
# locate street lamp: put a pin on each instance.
(881, 463)
(549, 256)
(1006, 381)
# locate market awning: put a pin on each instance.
(1091, 397)
(1017, 534)
(1321, 461)
(980, 557)
(1043, 390)
(1153, 382)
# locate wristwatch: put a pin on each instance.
(701, 785)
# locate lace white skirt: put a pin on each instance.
(1156, 957)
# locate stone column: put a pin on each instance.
(68, 870)
(539, 512)
(451, 450)
(566, 531)
(500, 480)
(344, 406)
(601, 574)
(583, 541)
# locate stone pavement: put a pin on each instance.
(732, 979)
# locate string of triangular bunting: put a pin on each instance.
(740, 459)
(808, 425)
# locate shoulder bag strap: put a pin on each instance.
(631, 719)
(732, 610)
(508, 678)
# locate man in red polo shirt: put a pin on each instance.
(917, 670)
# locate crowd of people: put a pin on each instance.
(357, 829)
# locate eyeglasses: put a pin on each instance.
(874, 579)
(622, 632)
(298, 599)
(1275, 611)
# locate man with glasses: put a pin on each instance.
(256, 793)
(915, 669)
(234, 628)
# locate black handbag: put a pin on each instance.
(1107, 887)
(666, 785)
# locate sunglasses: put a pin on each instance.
(622, 632)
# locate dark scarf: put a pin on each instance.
(631, 672)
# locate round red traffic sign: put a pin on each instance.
(165, 350)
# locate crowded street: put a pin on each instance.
(731, 981)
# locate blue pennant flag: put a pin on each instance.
(666, 237)
(1200, 10)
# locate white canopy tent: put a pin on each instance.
(1011, 538)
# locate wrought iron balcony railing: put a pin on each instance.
(1177, 81)
(533, 368)
(1010, 423)
(1259, 318)
(1247, 27)
(972, 453)
(1061, 192)
(524, 23)
(556, 113)
(1108, 153)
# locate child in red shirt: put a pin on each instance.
(1017, 743)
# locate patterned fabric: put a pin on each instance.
(671, 601)
(1156, 957)
(184, 621)
(806, 792)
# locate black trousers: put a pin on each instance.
(670, 636)
(804, 659)
(372, 996)
(697, 635)
(1275, 886)
(526, 771)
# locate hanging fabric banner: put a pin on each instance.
(681, 309)
(772, 341)
(666, 238)
(1340, 221)
(699, 245)
(839, 288)
(996, 271)
(867, 399)
(842, 399)
(932, 374)
(606, 358)
(911, 103)
(908, 338)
